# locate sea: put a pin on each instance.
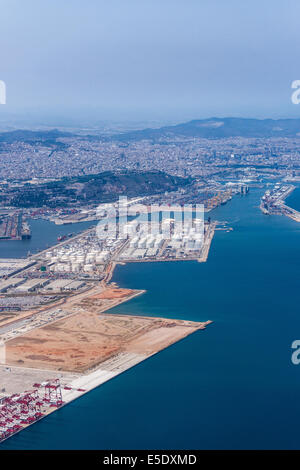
(230, 386)
(43, 235)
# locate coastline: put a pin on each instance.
(114, 366)
(202, 259)
(103, 370)
(280, 207)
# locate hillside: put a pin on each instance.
(216, 128)
(87, 189)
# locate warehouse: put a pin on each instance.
(31, 285)
(75, 285)
(13, 282)
(59, 284)
(9, 267)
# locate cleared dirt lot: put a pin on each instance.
(113, 293)
(81, 342)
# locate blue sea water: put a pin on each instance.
(232, 385)
(44, 234)
(294, 199)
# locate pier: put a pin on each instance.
(273, 202)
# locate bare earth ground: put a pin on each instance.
(113, 293)
(98, 297)
(100, 301)
(83, 341)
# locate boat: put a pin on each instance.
(61, 238)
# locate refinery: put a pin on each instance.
(76, 263)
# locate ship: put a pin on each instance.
(26, 232)
(26, 236)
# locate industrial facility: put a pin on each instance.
(10, 267)
(22, 409)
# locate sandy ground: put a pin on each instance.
(113, 293)
(11, 318)
(102, 300)
(83, 341)
(159, 338)
(96, 300)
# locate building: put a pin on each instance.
(58, 285)
(9, 283)
(75, 285)
(31, 285)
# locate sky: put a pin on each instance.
(150, 59)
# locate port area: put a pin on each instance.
(41, 288)
(14, 226)
(55, 327)
(62, 359)
(273, 202)
(100, 298)
(81, 343)
(80, 263)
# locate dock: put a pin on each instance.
(273, 202)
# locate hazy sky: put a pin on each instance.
(151, 58)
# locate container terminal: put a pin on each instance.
(14, 227)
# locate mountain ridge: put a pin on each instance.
(214, 128)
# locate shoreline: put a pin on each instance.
(202, 259)
(110, 368)
(280, 207)
(117, 362)
(115, 303)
